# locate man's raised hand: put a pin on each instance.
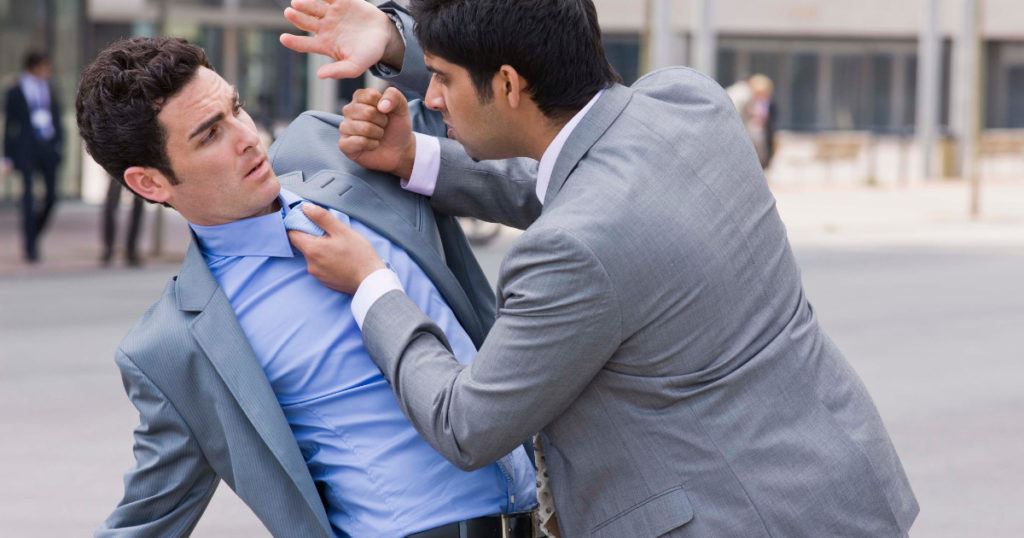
(377, 132)
(354, 33)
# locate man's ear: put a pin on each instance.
(510, 86)
(148, 183)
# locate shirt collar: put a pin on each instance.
(547, 161)
(255, 236)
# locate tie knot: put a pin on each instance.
(297, 220)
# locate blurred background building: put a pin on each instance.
(848, 76)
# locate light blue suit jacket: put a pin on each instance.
(206, 410)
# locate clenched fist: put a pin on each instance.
(377, 132)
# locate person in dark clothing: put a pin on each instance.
(33, 142)
(109, 226)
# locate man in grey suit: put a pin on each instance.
(652, 323)
(247, 370)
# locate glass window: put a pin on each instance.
(1015, 97)
(768, 64)
(849, 92)
(910, 92)
(881, 103)
(623, 52)
(804, 96)
(272, 79)
(726, 67)
(103, 34)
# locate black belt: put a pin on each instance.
(499, 526)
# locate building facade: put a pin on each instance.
(845, 73)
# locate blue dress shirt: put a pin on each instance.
(377, 475)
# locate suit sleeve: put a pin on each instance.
(551, 338)
(495, 191)
(413, 78)
(170, 484)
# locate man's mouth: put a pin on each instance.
(255, 170)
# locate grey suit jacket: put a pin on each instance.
(653, 327)
(206, 410)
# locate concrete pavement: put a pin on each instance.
(928, 310)
(932, 215)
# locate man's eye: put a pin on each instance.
(211, 134)
(238, 108)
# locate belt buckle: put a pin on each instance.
(506, 528)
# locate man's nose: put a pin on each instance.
(248, 136)
(433, 99)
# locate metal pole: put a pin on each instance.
(230, 70)
(659, 24)
(705, 37)
(158, 216)
(928, 81)
(971, 105)
(321, 94)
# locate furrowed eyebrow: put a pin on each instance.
(206, 125)
(237, 99)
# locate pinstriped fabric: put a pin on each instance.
(653, 325)
(192, 429)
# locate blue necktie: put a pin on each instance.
(296, 219)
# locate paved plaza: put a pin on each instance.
(927, 304)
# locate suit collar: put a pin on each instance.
(351, 195)
(547, 161)
(589, 130)
(218, 334)
(195, 285)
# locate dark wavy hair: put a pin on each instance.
(34, 58)
(554, 44)
(120, 95)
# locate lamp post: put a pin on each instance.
(928, 81)
(970, 96)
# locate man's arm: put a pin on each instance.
(9, 124)
(170, 484)
(359, 36)
(411, 74)
(553, 335)
(494, 191)
(377, 134)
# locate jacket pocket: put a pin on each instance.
(652, 517)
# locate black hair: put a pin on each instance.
(120, 95)
(35, 58)
(554, 44)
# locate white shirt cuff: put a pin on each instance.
(372, 288)
(426, 166)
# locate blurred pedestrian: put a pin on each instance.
(33, 140)
(753, 100)
(109, 226)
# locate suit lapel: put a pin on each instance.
(351, 195)
(218, 333)
(590, 129)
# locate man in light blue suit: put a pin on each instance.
(247, 369)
